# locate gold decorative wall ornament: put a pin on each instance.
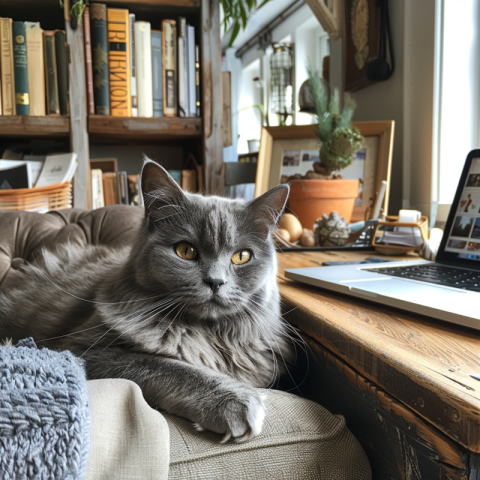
(359, 20)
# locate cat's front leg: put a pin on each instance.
(213, 401)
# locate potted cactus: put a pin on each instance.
(323, 190)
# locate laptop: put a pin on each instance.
(447, 289)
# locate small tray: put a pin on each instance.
(390, 225)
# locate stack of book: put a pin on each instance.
(135, 70)
(111, 187)
(18, 170)
(33, 66)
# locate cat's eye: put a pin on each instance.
(241, 257)
(186, 251)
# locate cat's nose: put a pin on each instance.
(215, 283)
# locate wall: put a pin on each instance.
(406, 97)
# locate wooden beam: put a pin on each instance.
(78, 115)
(329, 17)
(212, 107)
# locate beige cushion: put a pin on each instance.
(300, 440)
(129, 439)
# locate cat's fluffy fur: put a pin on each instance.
(145, 314)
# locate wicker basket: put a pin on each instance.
(42, 199)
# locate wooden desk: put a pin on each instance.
(400, 379)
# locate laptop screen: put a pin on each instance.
(464, 233)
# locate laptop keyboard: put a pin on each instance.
(438, 274)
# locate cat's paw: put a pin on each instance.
(240, 415)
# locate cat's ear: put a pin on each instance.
(159, 189)
(268, 208)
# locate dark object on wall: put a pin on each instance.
(378, 70)
(361, 41)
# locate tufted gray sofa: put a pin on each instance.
(300, 439)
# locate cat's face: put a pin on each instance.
(210, 254)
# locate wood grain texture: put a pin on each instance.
(400, 445)
(78, 116)
(26, 126)
(423, 363)
(212, 107)
(144, 128)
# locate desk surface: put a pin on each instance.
(422, 362)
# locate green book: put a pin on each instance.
(53, 106)
(62, 74)
(20, 68)
(99, 42)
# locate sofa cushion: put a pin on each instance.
(24, 234)
(129, 439)
(300, 440)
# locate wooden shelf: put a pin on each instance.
(26, 126)
(136, 128)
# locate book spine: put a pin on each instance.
(88, 60)
(20, 68)
(143, 57)
(119, 62)
(157, 73)
(132, 66)
(197, 80)
(169, 68)
(53, 106)
(6, 66)
(191, 71)
(62, 74)
(35, 69)
(99, 47)
(182, 87)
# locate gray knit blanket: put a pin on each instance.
(44, 414)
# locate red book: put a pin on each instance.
(88, 60)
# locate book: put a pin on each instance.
(119, 62)
(110, 188)
(197, 80)
(35, 165)
(58, 168)
(20, 68)
(122, 188)
(189, 181)
(132, 66)
(53, 103)
(143, 59)
(15, 177)
(6, 67)
(134, 197)
(97, 188)
(88, 60)
(176, 175)
(99, 46)
(169, 68)
(181, 67)
(62, 74)
(157, 73)
(192, 108)
(35, 69)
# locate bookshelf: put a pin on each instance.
(198, 135)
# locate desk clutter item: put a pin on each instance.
(397, 235)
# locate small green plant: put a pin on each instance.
(340, 140)
(235, 12)
(77, 9)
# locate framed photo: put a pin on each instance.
(361, 41)
(286, 151)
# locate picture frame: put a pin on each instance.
(361, 41)
(378, 135)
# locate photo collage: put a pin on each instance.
(464, 237)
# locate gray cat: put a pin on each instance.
(190, 312)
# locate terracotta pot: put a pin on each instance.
(310, 199)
